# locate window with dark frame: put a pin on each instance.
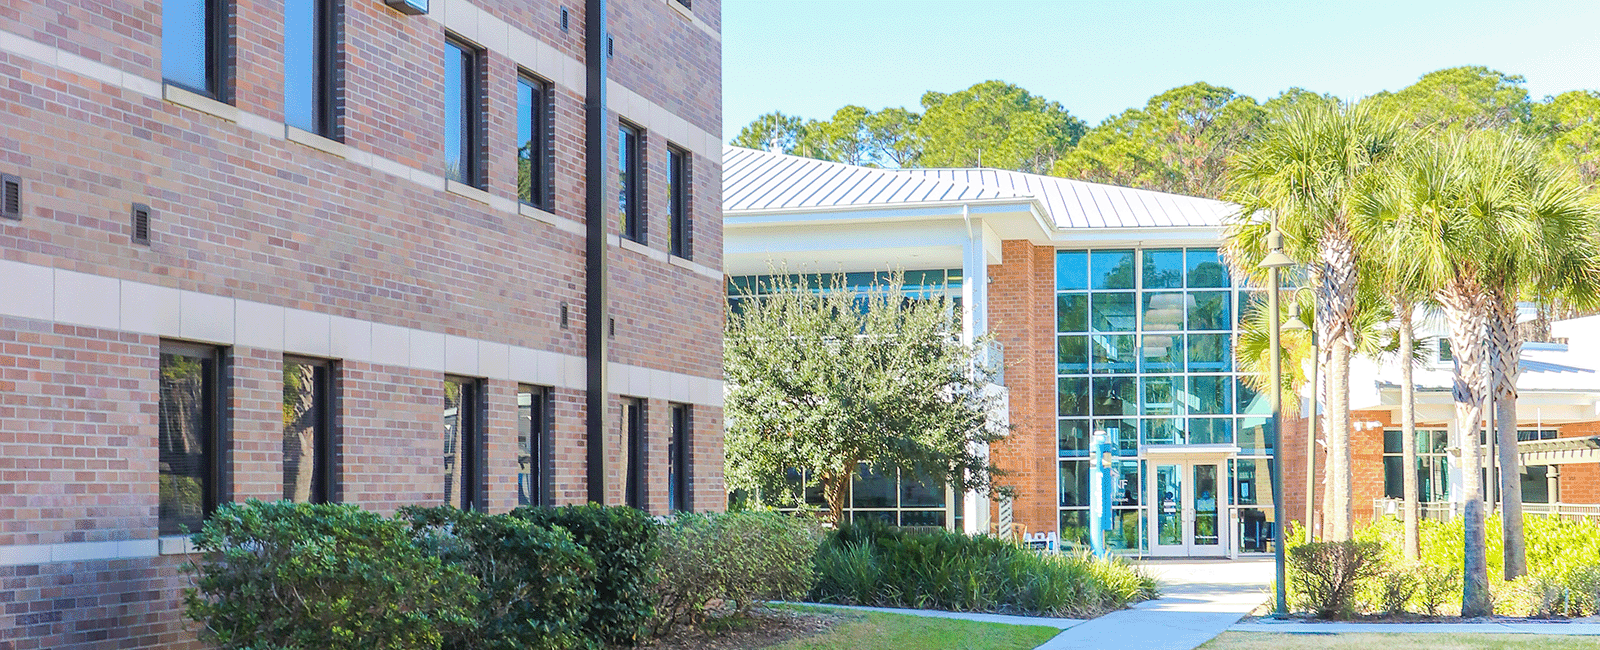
(190, 436)
(678, 199)
(633, 421)
(463, 113)
(533, 446)
(194, 45)
(309, 31)
(533, 142)
(463, 443)
(630, 192)
(678, 454)
(308, 430)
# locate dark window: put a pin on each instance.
(190, 436)
(307, 430)
(533, 142)
(1445, 353)
(192, 45)
(463, 110)
(633, 419)
(630, 195)
(678, 199)
(463, 443)
(308, 61)
(533, 446)
(678, 455)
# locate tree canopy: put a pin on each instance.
(1180, 141)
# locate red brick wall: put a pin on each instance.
(244, 215)
(1022, 316)
(1580, 483)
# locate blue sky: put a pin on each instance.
(809, 57)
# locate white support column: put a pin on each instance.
(974, 324)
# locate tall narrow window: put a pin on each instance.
(533, 148)
(463, 443)
(533, 446)
(633, 421)
(192, 41)
(630, 195)
(678, 199)
(678, 454)
(308, 60)
(190, 471)
(463, 110)
(307, 430)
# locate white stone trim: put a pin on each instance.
(29, 554)
(461, 189)
(176, 545)
(551, 218)
(58, 295)
(200, 103)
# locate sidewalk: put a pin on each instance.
(1199, 600)
(1487, 627)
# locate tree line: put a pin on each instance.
(1178, 142)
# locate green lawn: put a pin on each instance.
(868, 630)
(1402, 641)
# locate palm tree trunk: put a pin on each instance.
(1465, 309)
(1408, 430)
(1336, 307)
(1341, 514)
(1507, 352)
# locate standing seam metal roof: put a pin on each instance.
(760, 180)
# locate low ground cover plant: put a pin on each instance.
(873, 564)
(1563, 564)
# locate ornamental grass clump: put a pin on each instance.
(873, 564)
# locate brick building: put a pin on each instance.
(1117, 314)
(454, 251)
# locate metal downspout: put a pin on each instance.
(597, 299)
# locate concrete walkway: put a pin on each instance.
(1199, 600)
(1487, 627)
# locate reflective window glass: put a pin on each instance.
(187, 426)
(1125, 433)
(1161, 397)
(1163, 310)
(1162, 431)
(1253, 438)
(928, 518)
(1206, 268)
(460, 113)
(1210, 394)
(1072, 270)
(1210, 353)
(1072, 394)
(1074, 528)
(1163, 269)
(1111, 269)
(188, 28)
(1113, 353)
(1162, 352)
(306, 55)
(921, 492)
(1072, 437)
(305, 434)
(1115, 396)
(1112, 312)
(1249, 401)
(1072, 312)
(1072, 354)
(1210, 431)
(1208, 310)
(872, 489)
(1074, 483)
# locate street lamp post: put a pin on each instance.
(1273, 262)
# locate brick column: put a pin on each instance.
(1021, 315)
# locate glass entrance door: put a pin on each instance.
(1187, 497)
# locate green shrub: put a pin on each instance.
(534, 585)
(737, 557)
(321, 577)
(1437, 586)
(622, 542)
(872, 564)
(1327, 575)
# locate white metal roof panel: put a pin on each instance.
(760, 180)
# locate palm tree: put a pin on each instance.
(1559, 256)
(1302, 175)
(1463, 199)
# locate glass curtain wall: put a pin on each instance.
(1144, 352)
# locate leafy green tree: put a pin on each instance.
(1302, 176)
(1179, 142)
(1571, 123)
(825, 380)
(996, 124)
(772, 132)
(893, 133)
(1294, 97)
(845, 138)
(1471, 97)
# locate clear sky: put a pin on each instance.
(809, 57)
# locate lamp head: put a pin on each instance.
(1275, 258)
